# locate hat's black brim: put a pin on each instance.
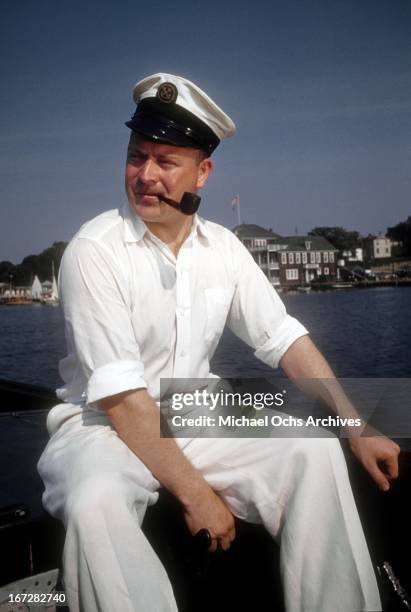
(161, 135)
(180, 131)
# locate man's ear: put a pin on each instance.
(205, 168)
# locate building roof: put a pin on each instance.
(253, 231)
(298, 243)
(291, 243)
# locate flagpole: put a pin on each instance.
(235, 203)
(238, 209)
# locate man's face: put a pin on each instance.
(154, 169)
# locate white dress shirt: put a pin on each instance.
(135, 313)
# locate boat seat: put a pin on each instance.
(241, 578)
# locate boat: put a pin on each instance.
(241, 578)
(342, 285)
(32, 541)
(51, 299)
(16, 297)
(304, 288)
(16, 301)
(36, 289)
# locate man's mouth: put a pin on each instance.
(147, 198)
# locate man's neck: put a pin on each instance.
(172, 235)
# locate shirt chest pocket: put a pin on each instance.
(217, 306)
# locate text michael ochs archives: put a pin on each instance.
(206, 400)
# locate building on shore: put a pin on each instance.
(45, 293)
(14, 295)
(354, 255)
(262, 244)
(377, 247)
(289, 261)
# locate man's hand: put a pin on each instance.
(379, 456)
(304, 364)
(206, 510)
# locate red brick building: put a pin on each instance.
(289, 261)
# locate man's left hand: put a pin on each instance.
(379, 456)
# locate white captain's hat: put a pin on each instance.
(173, 110)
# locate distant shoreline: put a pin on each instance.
(366, 284)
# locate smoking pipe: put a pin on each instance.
(188, 205)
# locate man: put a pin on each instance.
(146, 293)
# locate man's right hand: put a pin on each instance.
(206, 510)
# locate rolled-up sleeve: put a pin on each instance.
(114, 378)
(99, 331)
(257, 314)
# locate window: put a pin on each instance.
(304, 258)
(283, 258)
(331, 256)
(298, 258)
(259, 243)
(312, 257)
(326, 271)
(291, 274)
(325, 256)
(308, 245)
(291, 258)
(318, 257)
(378, 251)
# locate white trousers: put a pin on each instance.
(297, 488)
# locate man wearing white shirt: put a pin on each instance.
(147, 291)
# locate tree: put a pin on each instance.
(6, 268)
(40, 265)
(340, 238)
(401, 233)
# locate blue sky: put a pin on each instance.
(320, 92)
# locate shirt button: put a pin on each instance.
(183, 354)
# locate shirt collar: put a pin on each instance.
(200, 227)
(135, 229)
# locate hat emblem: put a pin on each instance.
(167, 93)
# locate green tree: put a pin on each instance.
(340, 238)
(402, 233)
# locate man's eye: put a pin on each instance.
(136, 158)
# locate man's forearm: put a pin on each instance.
(305, 365)
(136, 418)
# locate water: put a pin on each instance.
(361, 332)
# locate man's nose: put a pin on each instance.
(148, 172)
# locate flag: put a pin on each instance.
(234, 202)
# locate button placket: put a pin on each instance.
(183, 314)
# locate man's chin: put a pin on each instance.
(147, 212)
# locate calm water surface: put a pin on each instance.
(362, 333)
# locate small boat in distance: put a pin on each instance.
(304, 288)
(342, 285)
(52, 298)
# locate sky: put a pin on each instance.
(320, 91)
